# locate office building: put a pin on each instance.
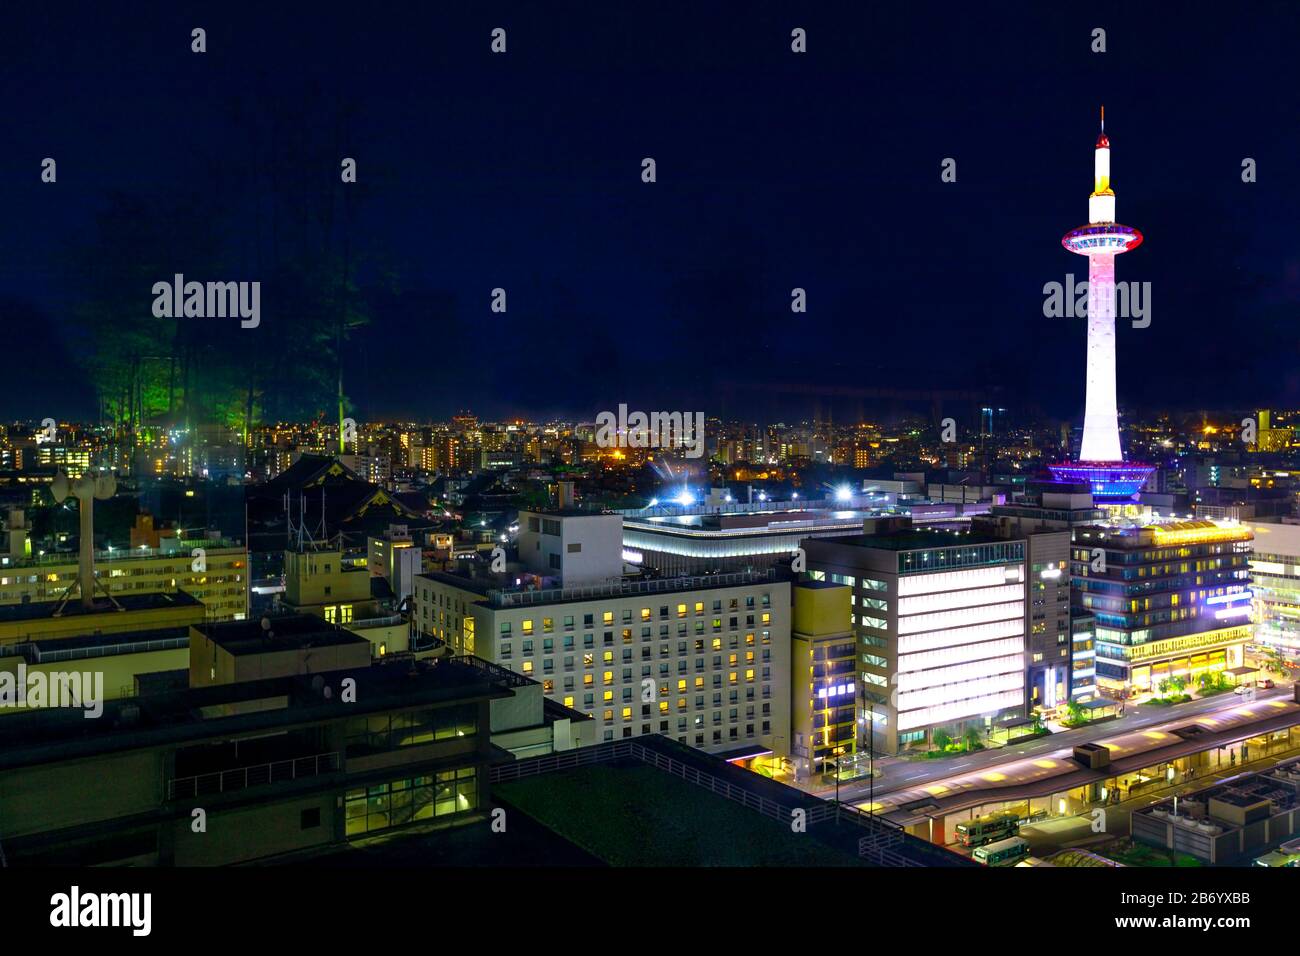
(1171, 600)
(940, 620)
(1275, 581)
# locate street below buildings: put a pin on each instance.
(900, 773)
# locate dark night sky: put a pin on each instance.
(775, 170)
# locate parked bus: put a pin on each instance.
(1003, 853)
(989, 828)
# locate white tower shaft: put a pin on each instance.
(1101, 413)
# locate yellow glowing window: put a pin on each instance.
(609, 678)
(331, 613)
(663, 707)
(699, 683)
(587, 660)
(681, 703)
(749, 639)
(733, 677)
(681, 610)
(528, 667)
(717, 643)
(609, 617)
(749, 675)
(608, 697)
(749, 657)
(548, 625)
(609, 715)
(568, 702)
(587, 680)
(383, 649)
(345, 614)
(528, 627)
(627, 713)
(645, 614)
(699, 607)
(681, 686)
(731, 660)
(767, 617)
(609, 657)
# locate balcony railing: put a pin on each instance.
(256, 775)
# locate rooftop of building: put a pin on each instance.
(105, 645)
(655, 802)
(176, 717)
(1171, 530)
(569, 512)
(919, 539)
(811, 585)
(273, 634)
(497, 593)
(152, 601)
(181, 549)
(749, 522)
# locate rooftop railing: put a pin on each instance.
(256, 775)
(512, 598)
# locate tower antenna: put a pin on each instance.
(1103, 117)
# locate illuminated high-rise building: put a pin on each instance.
(1101, 461)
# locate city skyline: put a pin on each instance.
(557, 436)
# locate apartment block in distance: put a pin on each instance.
(704, 660)
(940, 624)
(213, 570)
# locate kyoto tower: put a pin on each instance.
(1101, 462)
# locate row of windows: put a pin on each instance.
(506, 648)
(409, 800)
(378, 733)
(589, 702)
(527, 626)
(589, 680)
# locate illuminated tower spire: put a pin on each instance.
(1101, 460)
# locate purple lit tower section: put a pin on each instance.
(1101, 462)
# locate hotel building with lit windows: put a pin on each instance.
(1171, 600)
(940, 621)
(704, 660)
